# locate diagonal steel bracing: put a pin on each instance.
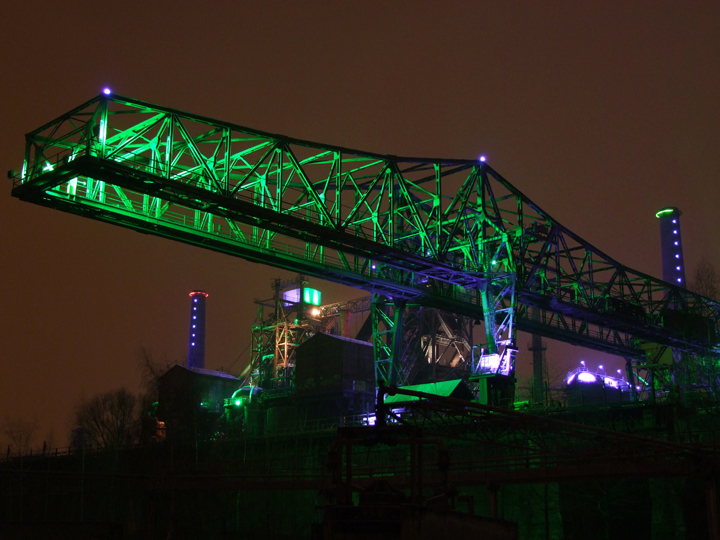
(441, 233)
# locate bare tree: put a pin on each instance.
(21, 433)
(110, 418)
(706, 280)
(150, 372)
(50, 441)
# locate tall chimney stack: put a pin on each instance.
(673, 265)
(196, 343)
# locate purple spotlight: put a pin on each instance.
(373, 267)
(586, 377)
(677, 268)
(482, 158)
(679, 280)
(600, 367)
(106, 91)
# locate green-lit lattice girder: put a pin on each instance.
(433, 231)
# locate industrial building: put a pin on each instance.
(193, 398)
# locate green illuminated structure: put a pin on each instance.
(447, 234)
(311, 296)
(282, 323)
(664, 211)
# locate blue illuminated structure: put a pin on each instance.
(673, 265)
(196, 342)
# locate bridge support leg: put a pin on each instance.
(397, 341)
(631, 378)
(387, 335)
(488, 305)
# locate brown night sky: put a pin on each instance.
(601, 112)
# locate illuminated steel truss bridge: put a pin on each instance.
(451, 235)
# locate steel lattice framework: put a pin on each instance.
(448, 234)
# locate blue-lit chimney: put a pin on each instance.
(673, 265)
(196, 343)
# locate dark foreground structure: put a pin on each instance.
(640, 471)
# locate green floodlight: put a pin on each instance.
(312, 296)
(664, 211)
(238, 402)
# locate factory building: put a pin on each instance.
(334, 385)
(191, 396)
(335, 377)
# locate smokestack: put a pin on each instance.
(673, 265)
(196, 343)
